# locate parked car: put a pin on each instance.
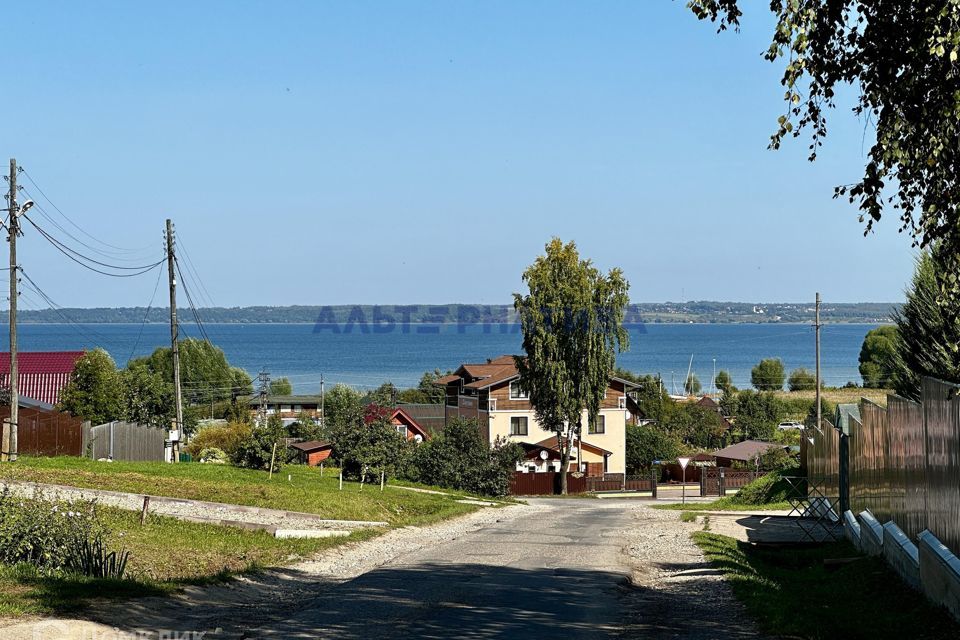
(787, 426)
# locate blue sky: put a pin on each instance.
(424, 152)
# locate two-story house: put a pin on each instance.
(489, 393)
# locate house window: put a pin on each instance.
(599, 425)
(622, 402)
(516, 393)
(518, 425)
(402, 430)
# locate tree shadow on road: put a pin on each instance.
(436, 600)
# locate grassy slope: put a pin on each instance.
(790, 593)
(838, 396)
(204, 552)
(305, 491)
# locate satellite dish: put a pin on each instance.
(418, 438)
(544, 455)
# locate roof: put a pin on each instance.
(845, 412)
(311, 445)
(274, 399)
(551, 443)
(495, 371)
(405, 418)
(41, 375)
(432, 417)
(746, 450)
(708, 403)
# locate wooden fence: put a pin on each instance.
(126, 441)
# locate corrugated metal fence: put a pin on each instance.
(903, 460)
(47, 433)
(126, 441)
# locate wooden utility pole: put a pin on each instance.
(817, 331)
(323, 420)
(10, 435)
(171, 268)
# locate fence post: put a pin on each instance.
(653, 482)
(722, 483)
(703, 483)
(844, 473)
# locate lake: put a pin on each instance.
(365, 356)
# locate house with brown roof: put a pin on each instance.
(489, 392)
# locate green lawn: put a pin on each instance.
(790, 593)
(305, 490)
(203, 552)
(724, 504)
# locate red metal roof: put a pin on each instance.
(41, 375)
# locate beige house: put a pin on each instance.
(489, 393)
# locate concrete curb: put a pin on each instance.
(871, 534)
(901, 554)
(939, 572)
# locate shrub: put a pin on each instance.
(778, 459)
(214, 456)
(257, 449)
(224, 437)
(768, 489)
(369, 445)
(459, 458)
(56, 535)
(801, 380)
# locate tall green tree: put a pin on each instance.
(878, 357)
(927, 332)
(342, 405)
(281, 387)
(647, 443)
(205, 374)
(95, 391)
(572, 326)
(903, 60)
(692, 385)
(801, 380)
(147, 397)
(724, 382)
(767, 375)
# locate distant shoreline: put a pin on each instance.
(700, 312)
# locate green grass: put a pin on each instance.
(305, 491)
(204, 552)
(723, 504)
(790, 593)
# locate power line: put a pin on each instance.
(68, 219)
(70, 253)
(145, 314)
(193, 307)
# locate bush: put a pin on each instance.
(646, 443)
(768, 489)
(459, 458)
(257, 450)
(226, 438)
(214, 456)
(778, 459)
(369, 445)
(56, 535)
(801, 380)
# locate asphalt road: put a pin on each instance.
(558, 569)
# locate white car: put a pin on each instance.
(787, 426)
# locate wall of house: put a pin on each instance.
(314, 458)
(614, 440)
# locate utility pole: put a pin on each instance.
(264, 388)
(178, 426)
(323, 421)
(817, 331)
(10, 435)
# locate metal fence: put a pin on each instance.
(47, 433)
(716, 481)
(545, 483)
(126, 441)
(903, 462)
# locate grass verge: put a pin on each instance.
(294, 488)
(792, 594)
(204, 554)
(723, 504)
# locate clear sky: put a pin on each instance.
(424, 152)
